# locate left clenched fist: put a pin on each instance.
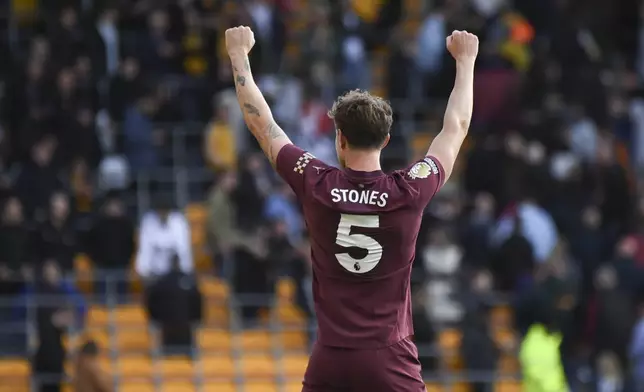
(239, 40)
(463, 45)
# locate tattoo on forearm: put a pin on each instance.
(241, 80)
(251, 109)
(274, 131)
(235, 69)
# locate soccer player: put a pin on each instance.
(362, 223)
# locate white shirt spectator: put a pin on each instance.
(160, 242)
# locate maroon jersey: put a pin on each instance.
(363, 228)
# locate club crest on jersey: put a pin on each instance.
(422, 169)
(302, 162)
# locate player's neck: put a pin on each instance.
(365, 161)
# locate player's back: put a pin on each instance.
(363, 228)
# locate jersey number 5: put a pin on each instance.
(345, 239)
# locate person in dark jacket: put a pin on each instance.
(110, 245)
(53, 317)
(56, 237)
(175, 303)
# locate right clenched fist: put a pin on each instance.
(463, 45)
(239, 40)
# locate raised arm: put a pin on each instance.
(257, 113)
(464, 48)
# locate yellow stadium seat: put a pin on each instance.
(268, 386)
(216, 313)
(134, 367)
(137, 386)
(179, 386)
(133, 339)
(214, 340)
(196, 213)
(219, 387)
(293, 340)
(216, 367)
(255, 340)
(290, 315)
(505, 338)
(446, 387)
(294, 365)
(508, 364)
(449, 339)
(501, 317)
(507, 386)
(130, 314)
(15, 385)
(258, 366)
(177, 368)
(97, 317)
(285, 289)
(198, 235)
(14, 368)
(294, 386)
(214, 288)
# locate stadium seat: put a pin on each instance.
(294, 365)
(293, 386)
(216, 313)
(134, 367)
(130, 315)
(177, 368)
(14, 368)
(285, 289)
(501, 317)
(133, 339)
(219, 387)
(97, 317)
(508, 365)
(136, 386)
(258, 366)
(214, 288)
(255, 340)
(290, 315)
(15, 385)
(445, 387)
(507, 386)
(214, 340)
(267, 386)
(449, 339)
(218, 367)
(196, 213)
(293, 340)
(505, 338)
(179, 386)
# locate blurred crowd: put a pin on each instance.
(546, 212)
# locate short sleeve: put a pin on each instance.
(294, 165)
(426, 177)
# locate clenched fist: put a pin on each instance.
(239, 40)
(463, 45)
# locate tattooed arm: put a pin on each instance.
(257, 113)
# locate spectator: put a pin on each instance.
(106, 43)
(56, 238)
(539, 355)
(251, 191)
(610, 377)
(636, 350)
(89, 377)
(164, 233)
(38, 179)
(125, 87)
(282, 205)
(158, 49)
(14, 237)
(110, 244)
(60, 307)
(220, 146)
(223, 230)
(139, 134)
(479, 351)
(174, 302)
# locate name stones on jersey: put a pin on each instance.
(302, 162)
(423, 169)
